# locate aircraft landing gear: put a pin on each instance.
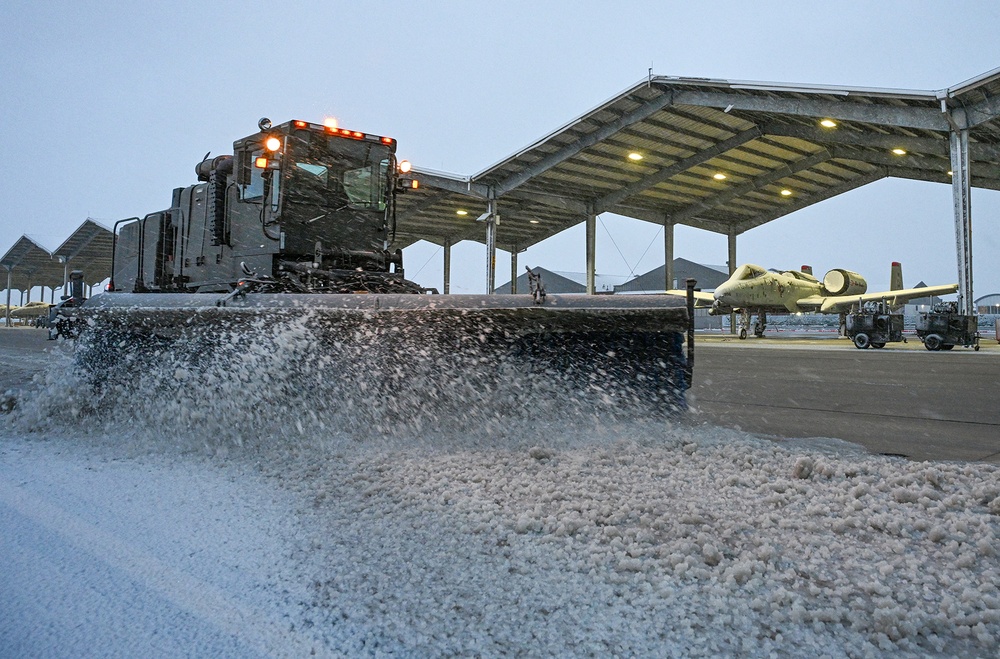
(758, 327)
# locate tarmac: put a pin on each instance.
(901, 400)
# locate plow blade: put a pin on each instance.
(390, 358)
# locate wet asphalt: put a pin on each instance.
(902, 400)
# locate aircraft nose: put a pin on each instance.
(723, 295)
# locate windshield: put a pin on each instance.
(337, 173)
(747, 271)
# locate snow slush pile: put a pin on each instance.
(545, 529)
(651, 541)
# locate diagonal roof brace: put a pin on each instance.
(826, 193)
(644, 111)
(978, 151)
(859, 138)
(765, 179)
(665, 174)
(929, 162)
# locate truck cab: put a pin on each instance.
(294, 198)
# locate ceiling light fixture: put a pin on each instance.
(635, 156)
(461, 212)
(786, 193)
(533, 221)
(828, 123)
(719, 177)
(899, 152)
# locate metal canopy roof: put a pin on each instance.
(87, 249)
(764, 138)
(29, 264)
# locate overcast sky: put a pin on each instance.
(106, 107)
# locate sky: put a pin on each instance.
(108, 107)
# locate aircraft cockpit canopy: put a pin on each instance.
(748, 271)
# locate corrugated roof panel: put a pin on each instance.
(669, 136)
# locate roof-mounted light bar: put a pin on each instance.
(332, 129)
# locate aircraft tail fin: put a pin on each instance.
(896, 277)
(808, 269)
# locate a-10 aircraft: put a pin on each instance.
(752, 290)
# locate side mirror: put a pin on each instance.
(404, 184)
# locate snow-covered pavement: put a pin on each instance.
(631, 541)
(142, 556)
(202, 519)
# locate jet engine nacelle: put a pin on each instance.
(844, 282)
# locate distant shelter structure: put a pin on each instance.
(28, 264)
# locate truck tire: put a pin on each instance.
(861, 340)
(878, 345)
(743, 333)
(933, 342)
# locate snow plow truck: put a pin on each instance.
(283, 251)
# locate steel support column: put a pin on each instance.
(668, 255)
(513, 270)
(29, 293)
(447, 266)
(7, 315)
(491, 246)
(732, 268)
(591, 251)
(961, 194)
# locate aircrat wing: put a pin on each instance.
(701, 299)
(839, 303)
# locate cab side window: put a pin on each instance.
(253, 188)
